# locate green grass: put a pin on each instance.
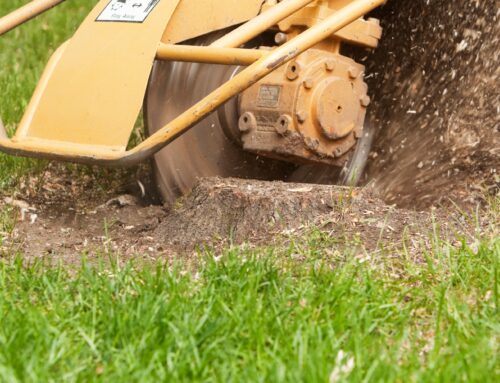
(256, 316)
(24, 54)
(307, 313)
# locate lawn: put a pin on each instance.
(256, 316)
(312, 311)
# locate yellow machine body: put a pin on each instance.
(194, 18)
(93, 89)
(90, 95)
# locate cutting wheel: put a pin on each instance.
(212, 148)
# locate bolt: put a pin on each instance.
(301, 116)
(280, 38)
(283, 124)
(365, 101)
(354, 72)
(247, 122)
(312, 143)
(308, 83)
(337, 152)
(330, 65)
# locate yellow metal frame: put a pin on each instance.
(208, 55)
(223, 52)
(26, 13)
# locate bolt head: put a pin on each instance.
(365, 101)
(280, 38)
(337, 152)
(330, 65)
(308, 83)
(312, 143)
(354, 72)
(301, 116)
(358, 132)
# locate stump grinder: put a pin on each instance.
(232, 88)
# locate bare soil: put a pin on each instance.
(434, 85)
(69, 217)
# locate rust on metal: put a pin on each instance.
(327, 106)
(70, 132)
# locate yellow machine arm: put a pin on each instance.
(88, 99)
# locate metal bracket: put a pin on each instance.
(89, 152)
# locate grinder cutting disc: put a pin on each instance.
(212, 147)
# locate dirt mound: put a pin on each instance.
(238, 211)
(219, 212)
(434, 82)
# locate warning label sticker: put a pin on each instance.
(269, 96)
(127, 11)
